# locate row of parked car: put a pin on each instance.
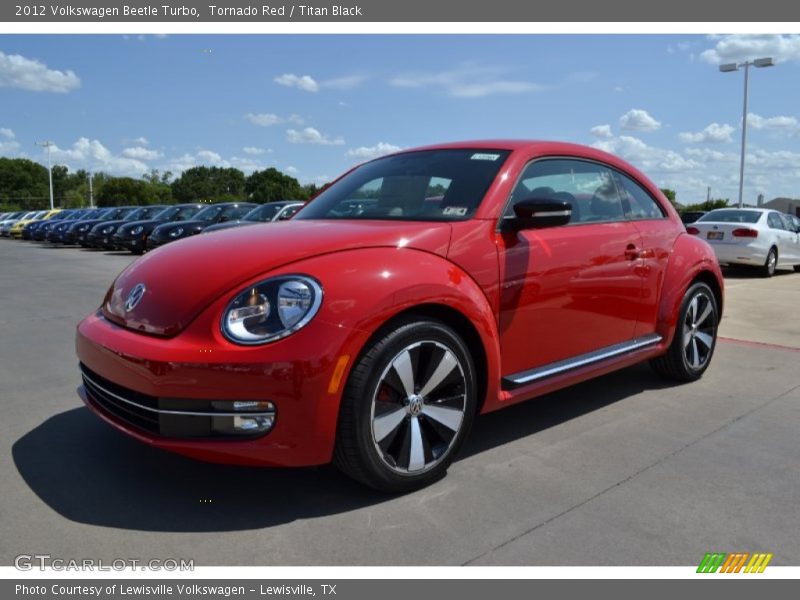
(138, 228)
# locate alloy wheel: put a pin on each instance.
(418, 407)
(699, 329)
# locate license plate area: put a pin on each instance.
(715, 235)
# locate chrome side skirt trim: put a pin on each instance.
(185, 413)
(516, 380)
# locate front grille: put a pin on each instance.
(168, 417)
(139, 410)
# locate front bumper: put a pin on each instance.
(294, 374)
(131, 244)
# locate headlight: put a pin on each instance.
(272, 309)
(137, 230)
(107, 229)
(176, 232)
(83, 228)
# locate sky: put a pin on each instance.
(314, 105)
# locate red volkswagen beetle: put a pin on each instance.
(417, 291)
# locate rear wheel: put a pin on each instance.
(768, 270)
(695, 337)
(407, 407)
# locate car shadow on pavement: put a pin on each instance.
(90, 473)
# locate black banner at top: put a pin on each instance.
(355, 11)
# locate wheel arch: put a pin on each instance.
(457, 321)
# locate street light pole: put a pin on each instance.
(49, 168)
(744, 134)
(726, 68)
(91, 195)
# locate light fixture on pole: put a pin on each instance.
(727, 68)
(49, 168)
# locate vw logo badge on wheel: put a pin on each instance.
(136, 295)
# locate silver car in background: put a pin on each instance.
(756, 237)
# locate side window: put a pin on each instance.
(774, 221)
(589, 187)
(637, 203)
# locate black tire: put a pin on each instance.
(692, 346)
(797, 268)
(768, 270)
(383, 455)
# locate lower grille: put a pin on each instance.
(178, 417)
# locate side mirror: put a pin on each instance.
(535, 213)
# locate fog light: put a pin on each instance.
(258, 417)
(253, 423)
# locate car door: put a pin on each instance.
(784, 239)
(572, 289)
(793, 245)
(658, 234)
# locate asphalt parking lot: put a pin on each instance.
(620, 471)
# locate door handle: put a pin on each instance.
(632, 252)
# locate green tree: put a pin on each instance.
(270, 185)
(208, 183)
(23, 183)
(670, 195)
(120, 191)
(708, 205)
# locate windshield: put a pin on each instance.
(177, 213)
(731, 215)
(263, 213)
(429, 185)
(232, 213)
(209, 213)
(143, 212)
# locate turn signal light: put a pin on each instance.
(745, 232)
(692, 230)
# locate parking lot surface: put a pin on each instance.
(624, 470)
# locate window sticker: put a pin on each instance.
(458, 211)
(484, 156)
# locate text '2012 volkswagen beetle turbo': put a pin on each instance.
(417, 291)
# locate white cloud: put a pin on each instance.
(648, 158)
(141, 153)
(343, 83)
(370, 152)
(780, 124)
(209, 156)
(303, 82)
(270, 119)
(263, 119)
(309, 135)
(715, 132)
(601, 131)
(94, 156)
(252, 150)
(9, 145)
(291, 170)
(740, 47)
(638, 119)
(142, 141)
(29, 74)
(468, 81)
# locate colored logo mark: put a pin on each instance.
(714, 562)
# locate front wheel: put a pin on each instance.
(407, 407)
(695, 337)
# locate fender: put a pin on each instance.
(374, 285)
(690, 257)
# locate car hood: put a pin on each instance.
(115, 223)
(229, 225)
(170, 225)
(182, 278)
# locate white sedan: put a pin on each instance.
(756, 237)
